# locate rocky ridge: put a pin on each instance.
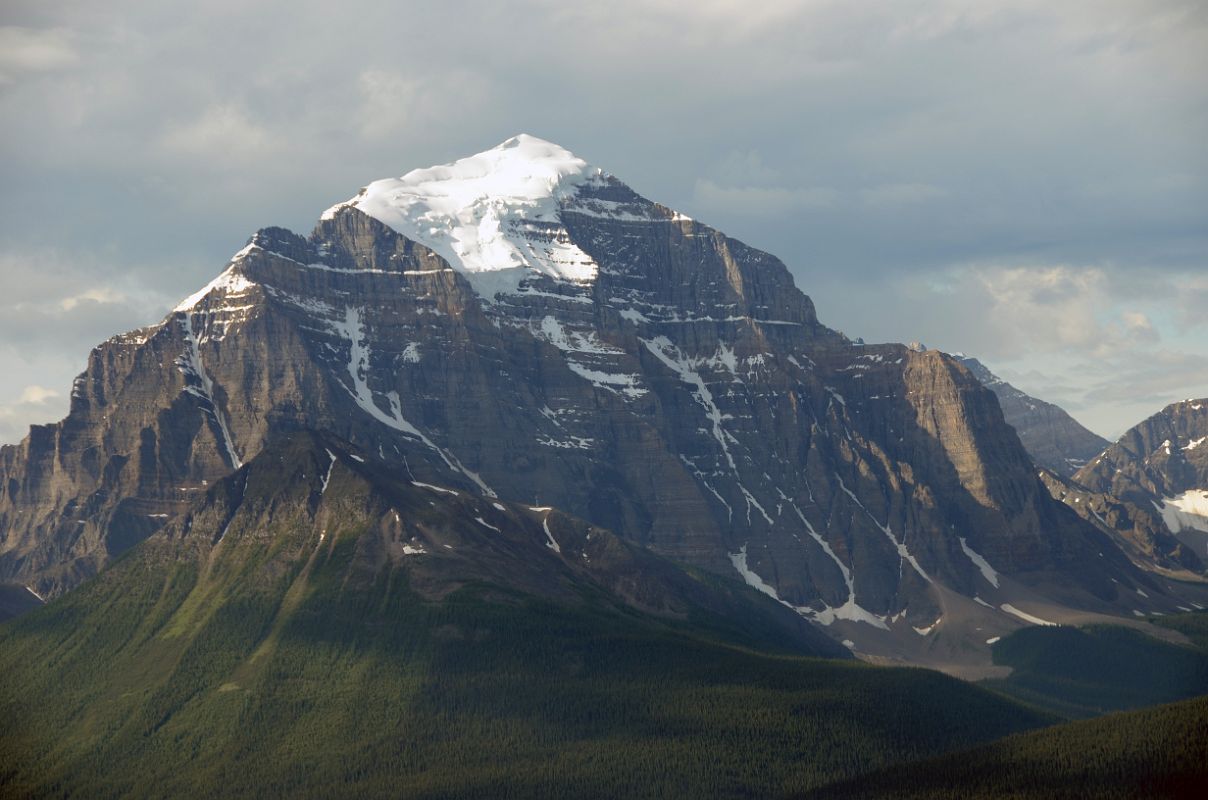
(1054, 439)
(1154, 483)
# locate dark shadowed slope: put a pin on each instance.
(1154, 753)
(313, 629)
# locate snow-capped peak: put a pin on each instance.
(230, 281)
(490, 212)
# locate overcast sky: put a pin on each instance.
(1022, 181)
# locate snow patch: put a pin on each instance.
(1026, 617)
(928, 629)
(850, 610)
(432, 488)
(670, 355)
(228, 281)
(571, 341)
(190, 364)
(573, 443)
(411, 354)
(903, 552)
(987, 571)
(358, 369)
(618, 384)
(551, 542)
(1188, 510)
(752, 579)
(486, 524)
(330, 467)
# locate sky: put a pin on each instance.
(1026, 182)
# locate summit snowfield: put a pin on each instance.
(521, 325)
(495, 212)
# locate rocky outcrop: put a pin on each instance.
(683, 394)
(1158, 473)
(1139, 530)
(1165, 455)
(1054, 439)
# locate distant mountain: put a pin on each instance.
(1053, 438)
(1156, 474)
(522, 326)
(318, 624)
(1139, 529)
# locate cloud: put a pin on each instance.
(36, 395)
(69, 301)
(746, 168)
(1191, 303)
(223, 134)
(99, 294)
(35, 404)
(396, 105)
(900, 194)
(761, 200)
(28, 50)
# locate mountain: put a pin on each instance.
(318, 625)
(523, 326)
(1053, 438)
(1149, 490)
(1163, 462)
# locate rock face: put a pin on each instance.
(310, 501)
(1139, 530)
(546, 336)
(1054, 439)
(1157, 474)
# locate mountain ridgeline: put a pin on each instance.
(525, 328)
(1053, 438)
(1149, 490)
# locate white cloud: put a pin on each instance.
(397, 106)
(223, 134)
(35, 404)
(26, 50)
(36, 395)
(99, 294)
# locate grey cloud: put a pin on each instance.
(900, 194)
(25, 50)
(776, 201)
